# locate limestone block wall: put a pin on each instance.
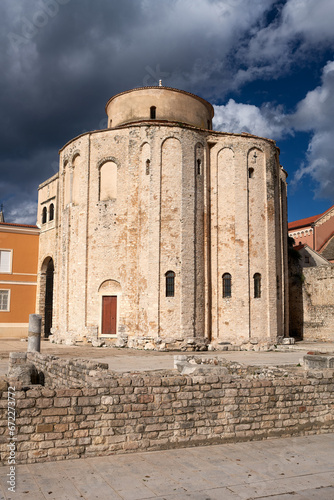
(153, 411)
(152, 224)
(248, 210)
(170, 105)
(57, 372)
(318, 303)
(285, 304)
(48, 194)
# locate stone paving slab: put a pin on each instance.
(123, 360)
(299, 468)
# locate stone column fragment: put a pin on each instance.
(34, 333)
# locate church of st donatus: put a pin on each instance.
(161, 231)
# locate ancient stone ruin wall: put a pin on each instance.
(58, 372)
(318, 303)
(158, 410)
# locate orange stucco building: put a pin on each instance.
(18, 277)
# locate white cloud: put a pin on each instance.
(299, 31)
(316, 111)
(237, 117)
(313, 19)
(314, 114)
(195, 40)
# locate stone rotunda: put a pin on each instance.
(159, 231)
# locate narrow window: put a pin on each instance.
(153, 112)
(44, 215)
(4, 300)
(277, 288)
(75, 198)
(110, 123)
(250, 172)
(257, 285)
(51, 211)
(209, 125)
(170, 283)
(227, 285)
(148, 167)
(199, 167)
(5, 261)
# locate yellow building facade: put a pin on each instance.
(18, 277)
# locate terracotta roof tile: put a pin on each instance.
(303, 222)
(308, 221)
(17, 225)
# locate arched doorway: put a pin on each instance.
(110, 292)
(46, 303)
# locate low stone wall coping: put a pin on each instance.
(319, 361)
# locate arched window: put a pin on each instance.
(44, 215)
(250, 172)
(227, 285)
(199, 167)
(153, 112)
(257, 285)
(170, 283)
(108, 181)
(51, 211)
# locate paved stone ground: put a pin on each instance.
(299, 468)
(122, 360)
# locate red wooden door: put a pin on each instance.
(109, 315)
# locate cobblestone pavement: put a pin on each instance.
(121, 360)
(299, 468)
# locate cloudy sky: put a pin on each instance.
(266, 65)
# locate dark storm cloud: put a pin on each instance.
(60, 64)
(61, 60)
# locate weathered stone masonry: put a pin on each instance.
(318, 303)
(158, 410)
(163, 193)
(311, 298)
